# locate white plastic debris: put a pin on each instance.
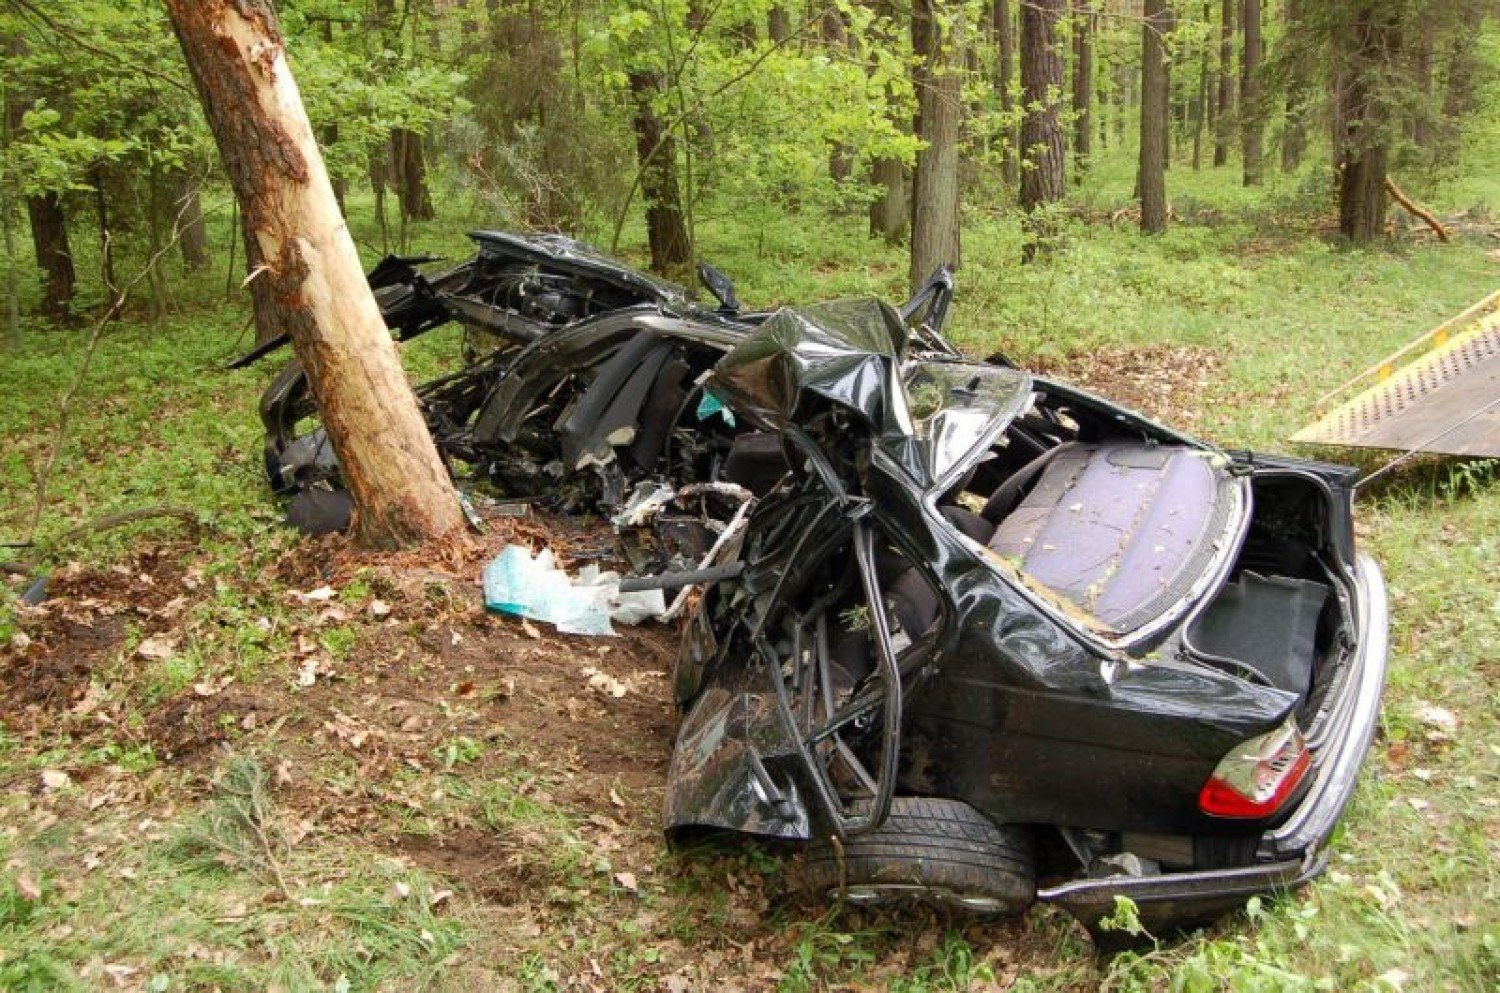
(646, 501)
(534, 587)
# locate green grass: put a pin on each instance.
(1411, 896)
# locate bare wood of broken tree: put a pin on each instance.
(235, 53)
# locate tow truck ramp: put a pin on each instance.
(1441, 393)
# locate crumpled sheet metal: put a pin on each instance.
(844, 352)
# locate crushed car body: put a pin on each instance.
(984, 605)
(976, 637)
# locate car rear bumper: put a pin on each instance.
(1292, 853)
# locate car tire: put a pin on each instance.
(930, 851)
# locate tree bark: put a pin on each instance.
(1374, 41)
(656, 151)
(1151, 175)
(49, 238)
(1420, 126)
(1294, 130)
(779, 24)
(1252, 115)
(1042, 146)
(1226, 82)
(1201, 102)
(890, 212)
(1083, 88)
(236, 56)
(1005, 59)
(935, 220)
(187, 217)
(834, 34)
(409, 167)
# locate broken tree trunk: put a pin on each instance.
(235, 53)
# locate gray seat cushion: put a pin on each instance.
(1121, 530)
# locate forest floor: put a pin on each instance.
(238, 759)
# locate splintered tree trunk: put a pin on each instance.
(410, 171)
(1251, 112)
(1083, 89)
(49, 237)
(1042, 147)
(235, 53)
(1226, 82)
(656, 153)
(1005, 60)
(1151, 177)
(935, 221)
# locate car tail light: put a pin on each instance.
(1258, 776)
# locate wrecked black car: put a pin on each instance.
(576, 377)
(994, 640)
(976, 637)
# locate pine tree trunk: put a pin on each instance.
(656, 152)
(1226, 82)
(1294, 131)
(1083, 89)
(409, 167)
(935, 220)
(835, 35)
(779, 24)
(1151, 177)
(1005, 60)
(1167, 23)
(1420, 125)
(1252, 114)
(890, 211)
(49, 238)
(1201, 102)
(235, 54)
(187, 217)
(1042, 145)
(1374, 42)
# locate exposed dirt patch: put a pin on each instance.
(83, 625)
(1165, 382)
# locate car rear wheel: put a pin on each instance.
(930, 851)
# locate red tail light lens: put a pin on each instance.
(1258, 776)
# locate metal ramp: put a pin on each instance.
(1441, 393)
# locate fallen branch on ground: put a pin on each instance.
(1416, 210)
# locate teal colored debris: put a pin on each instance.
(710, 405)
